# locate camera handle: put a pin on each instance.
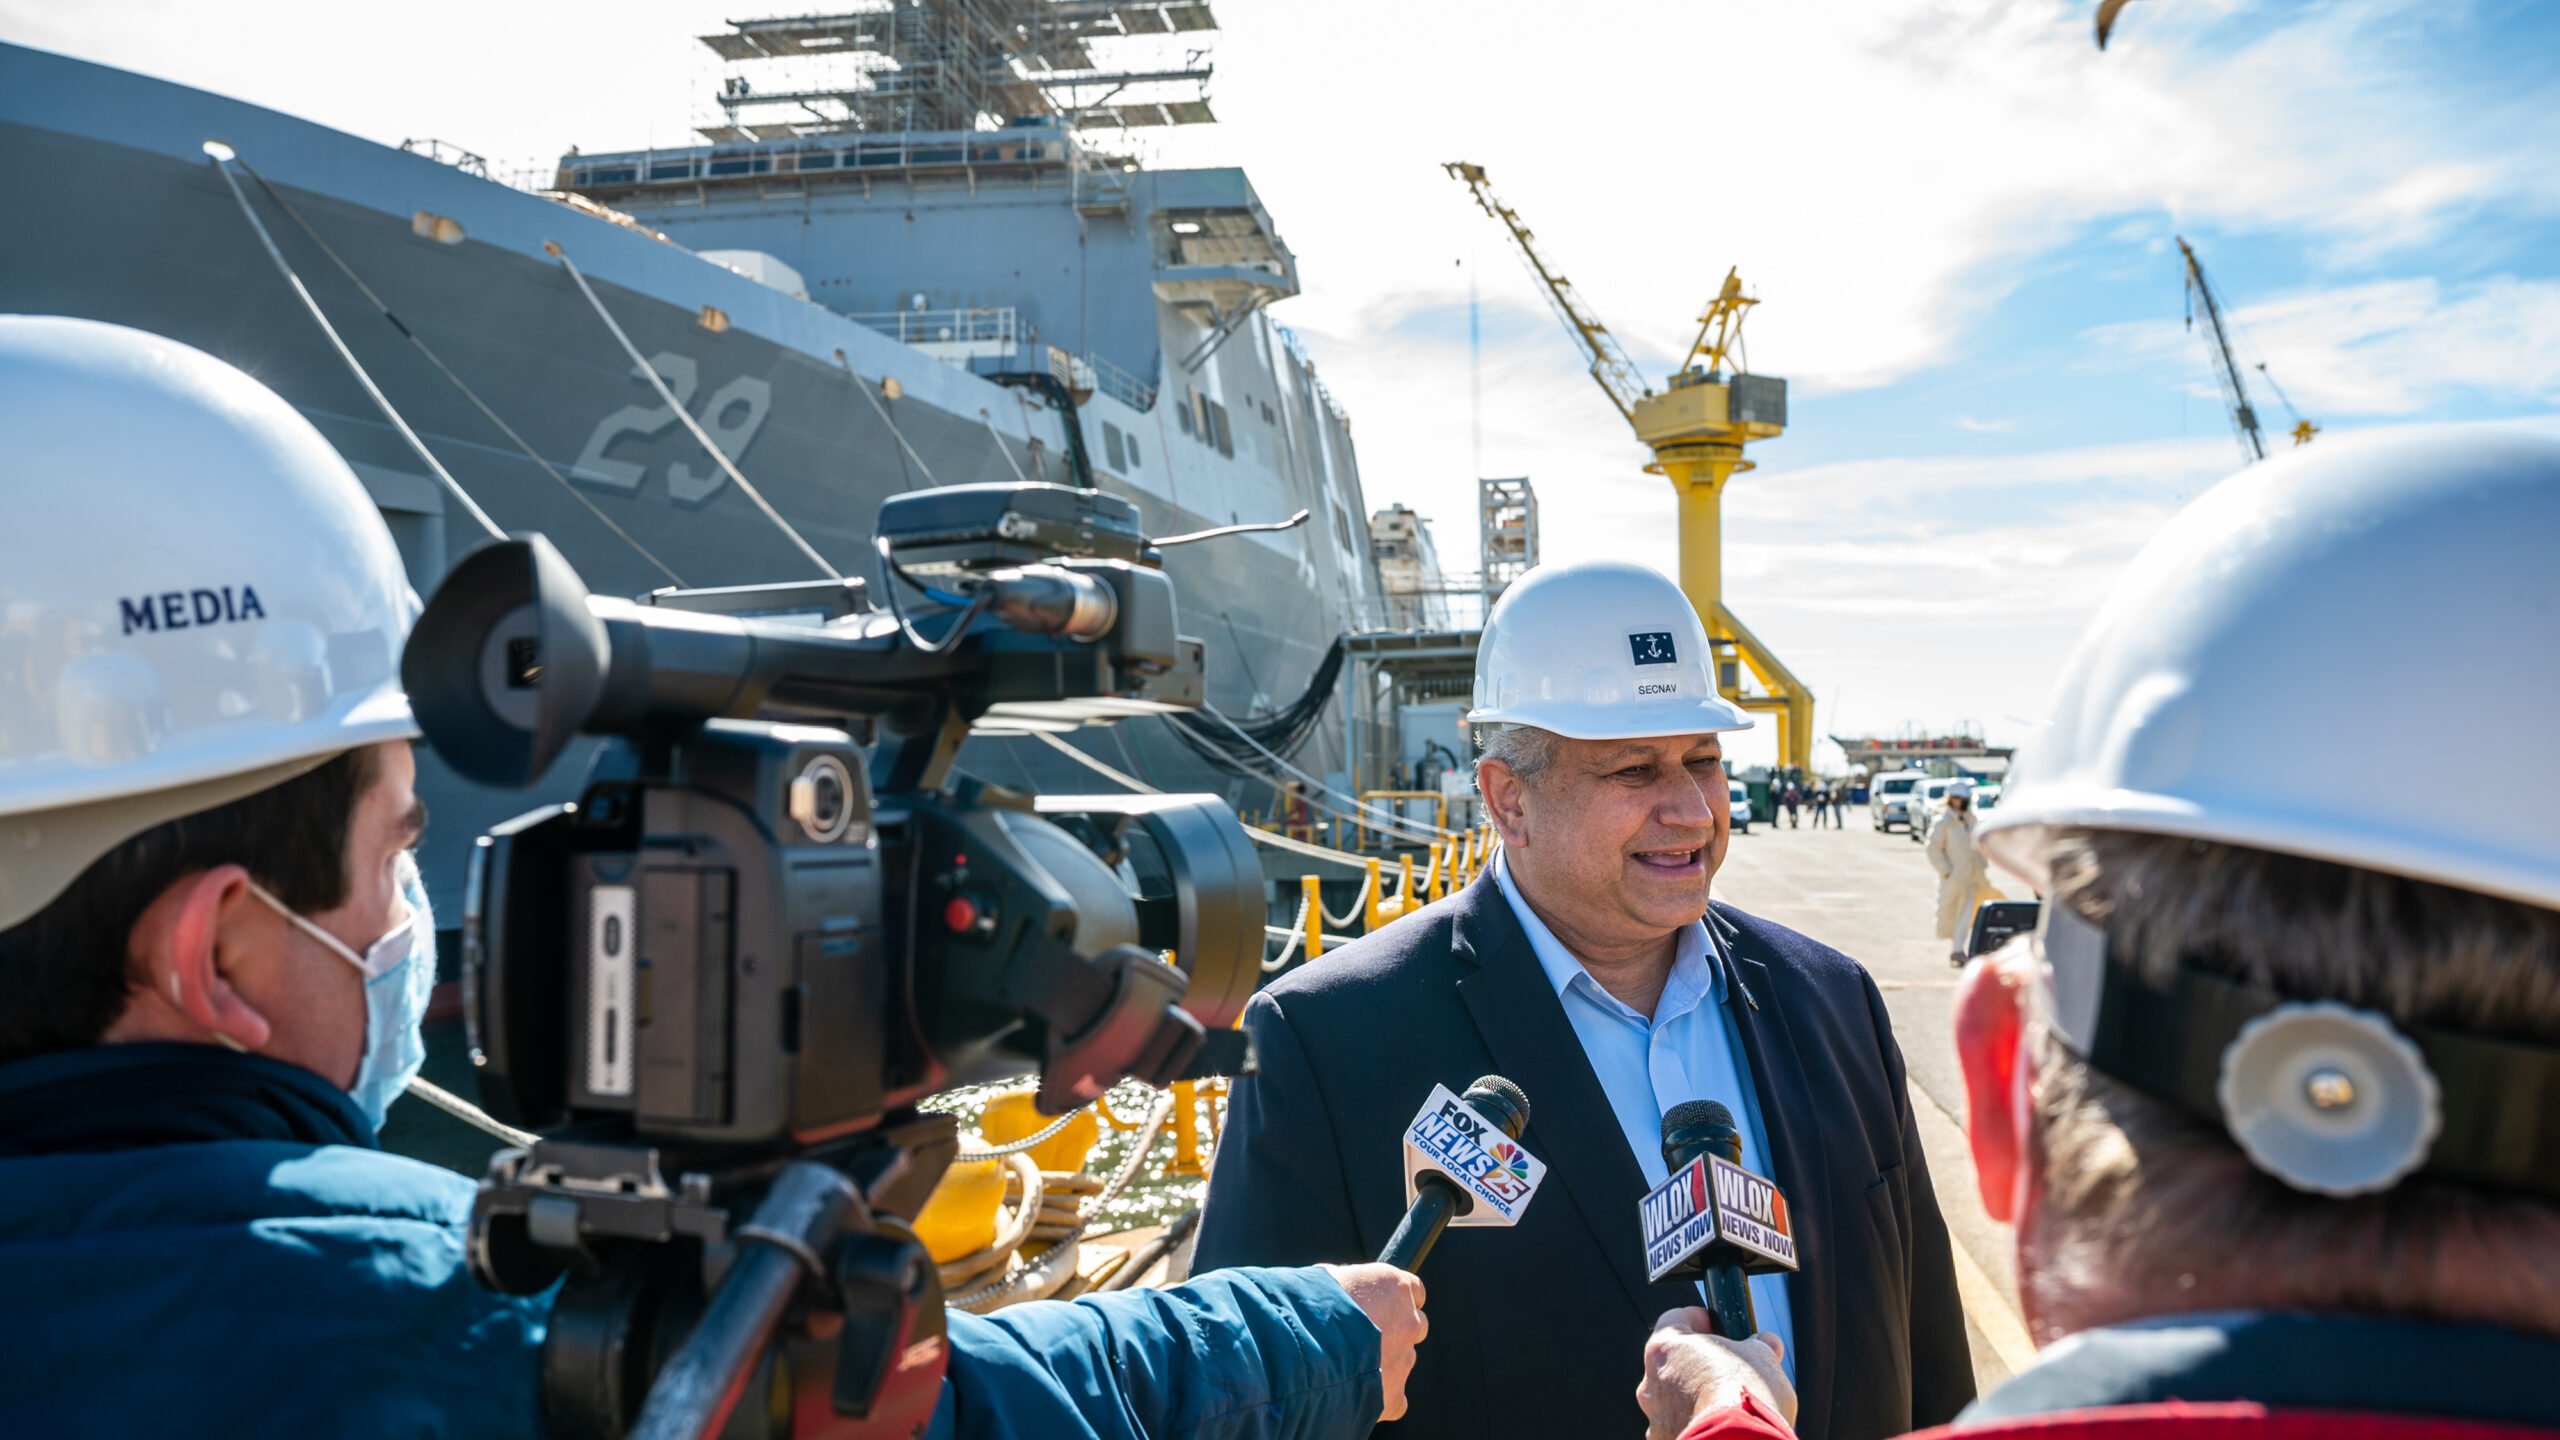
(891, 1352)
(823, 1317)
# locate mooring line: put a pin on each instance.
(223, 159)
(447, 371)
(658, 383)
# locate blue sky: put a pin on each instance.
(1958, 217)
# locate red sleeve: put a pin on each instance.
(1749, 1420)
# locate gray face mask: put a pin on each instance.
(399, 975)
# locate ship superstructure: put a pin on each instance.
(934, 263)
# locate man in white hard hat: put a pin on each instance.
(215, 952)
(1588, 967)
(2273, 1095)
(1964, 877)
(214, 949)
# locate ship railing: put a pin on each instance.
(983, 324)
(516, 175)
(737, 155)
(1120, 385)
(1298, 351)
(1440, 604)
(445, 152)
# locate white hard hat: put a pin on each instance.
(197, 600)
(1603, 650)
(2273, 655)
(1959, 789)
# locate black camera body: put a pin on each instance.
(668, 948)
(714, 956)
(778, 916)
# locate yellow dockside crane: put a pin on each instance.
(1696, 429)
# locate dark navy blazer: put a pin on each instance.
(1538, 1331)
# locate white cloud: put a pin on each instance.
(1881, 172)
(2390, 347)
(1984, 427)
(1876, 170)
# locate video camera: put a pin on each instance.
(778, 917)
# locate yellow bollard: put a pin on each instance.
(1313, 892)
(1376, 900)
(1407, 898)
(1186, 1131)
(959, 1218)
(1443, 855)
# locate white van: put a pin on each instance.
(1741, 808)
(1928, 802)
(1889, 798)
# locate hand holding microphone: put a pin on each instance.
(1690, 1371)
(1712, 1218)
(1392, 1299)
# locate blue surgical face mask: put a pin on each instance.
(399, 975)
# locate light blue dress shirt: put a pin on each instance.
(1689, 1049)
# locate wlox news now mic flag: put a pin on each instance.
(1709, 1202)
(1450, 1137)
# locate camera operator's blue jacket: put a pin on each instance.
(197, 1242)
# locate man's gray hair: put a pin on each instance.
(1525, 749)
(2149, 1211)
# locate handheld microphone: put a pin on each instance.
(1463, 1165)
(1713, 1219)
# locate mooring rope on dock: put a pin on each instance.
(1015, 1147)
(986, 1295)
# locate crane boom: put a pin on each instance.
(2244, 417)
(1696, 426)
(1609, 363)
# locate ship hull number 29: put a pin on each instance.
(731, 417)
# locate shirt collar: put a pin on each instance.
(1697, 965)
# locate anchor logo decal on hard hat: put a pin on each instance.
(1653, 647)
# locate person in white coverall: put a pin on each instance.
(1964, 879)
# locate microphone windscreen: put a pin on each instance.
(1503, 1092)
(1696, 1112)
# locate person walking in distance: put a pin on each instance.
(1964, 879)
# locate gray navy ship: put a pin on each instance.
(914, 251)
